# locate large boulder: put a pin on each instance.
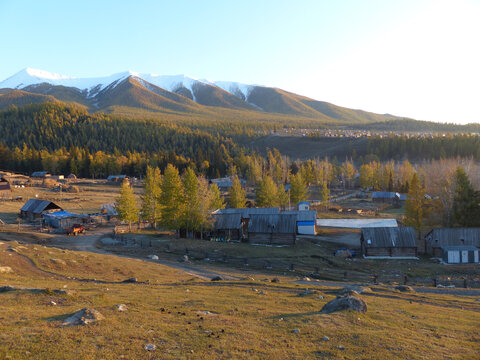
(345, 303)
(404, 288)
(83, 317)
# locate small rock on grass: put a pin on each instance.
(295, 331)
(216, 278)
(150, 347)
(122, 307)
(130, 280)
(325, 338)
(341, 347)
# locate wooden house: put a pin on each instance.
(4, 184)
(35, 208)
(40, 175)
(389, 242)
(228, 226)
(278, 229)
(438, 238)
(306, 221)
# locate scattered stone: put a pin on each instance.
(185, 258)
(306, 278)
(295, 331)
(5, 269)
(206, 312)
(255, 290)
(307, 292)
(150, 347)
(440, 286)
(263, 293)
(187, 290)
(122, 307)
(275, 280)
(341, 347)
(52, 303)
(216, 278)
(345, 303)
(153, 257)
(326, 338)
(83, 317)
(404, 288)
(354, 290)
(130, 280)
(58, 261)
(320, 297)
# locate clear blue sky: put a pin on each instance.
(412, 58)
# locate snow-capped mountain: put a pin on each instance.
(166, 93)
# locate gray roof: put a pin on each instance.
(4, 184)
(389, 237)
(37, 206)
(303, 215)
(249, 211)
(273, 223)
(39, 173)
(228, 221)
(383, 195)
(460, 248)
(454, 236)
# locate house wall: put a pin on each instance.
(268, 238)
(392, 252)
(233, 234)
(306, 229)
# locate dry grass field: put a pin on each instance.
(188, 318)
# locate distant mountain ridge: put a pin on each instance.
(170, 94)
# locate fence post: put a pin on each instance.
(317, 269)
(292, 267)
(434, 282)
(405, 279)
(375, 277)
(245, 262)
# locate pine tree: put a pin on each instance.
(171, 198)
(298, 190)
(237, 198)
(266, 193)
(191, 215)
(151, 209)
(126, 205)
(466, 208)
(325, 195)
(415, 205)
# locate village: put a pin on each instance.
(359, 236)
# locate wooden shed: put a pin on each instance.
(228, 226)
(306, 221)
(438, 238)
(4, 184)
(40, 174)
(35, 208)
(460, 254)
(279, 229)
(389, 242)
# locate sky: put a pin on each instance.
(412, 58)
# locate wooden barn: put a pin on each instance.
(460, 254)
(35, 208)
(228, 226)
(438, 238)
(389, 242)
(40, 175)
(4, 185)
(273, 229)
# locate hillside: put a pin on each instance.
(184, 316)
(150, 94)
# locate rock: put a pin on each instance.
(83, 317)
(216, 278)
(150, 347)
(307, 292)
(206, 312)
(341, 347)
(295, 331)
(354, 290)
(185, 258)
(404, 288)
(320, 297)
(5, 269)
(306, 278)
(263, 293)
(345, 303)
(130, 280)
(153, 257)
(255, 290)
(122, 307)
(52, 303)
(275, 280)
(325, 338)
(58, 261)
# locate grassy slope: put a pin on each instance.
(396, 326)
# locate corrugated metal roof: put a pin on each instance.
(356, 223)
(228, 221)
(274, 223)
(39, 173)
(62, 214)
(249, 211)
(36, 206)
(454, 236)
(303, 215)
(389, 237)
(383, 195)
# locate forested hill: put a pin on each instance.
(52, 127)
(409, 125)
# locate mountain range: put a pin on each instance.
(130, 92)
